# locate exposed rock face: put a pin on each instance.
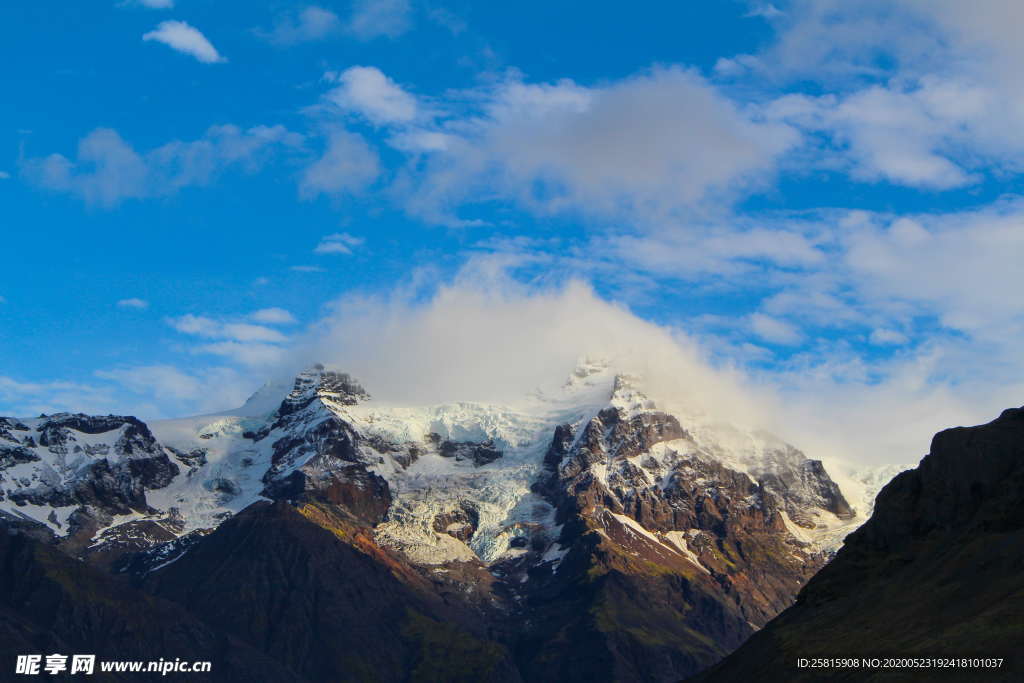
(935, 572)
(321, 383)
(363, 494)
(460, 523)
(193, 459)
(477, 453)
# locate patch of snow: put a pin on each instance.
(678, 539)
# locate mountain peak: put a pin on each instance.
(626, 393)
(320, 382)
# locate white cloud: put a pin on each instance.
(338, 243)
(107, 170)
(246, 332)
(133, 303)
(906, 137)
(168, 391)
(247, 353)
(765, 10)
(180, 36)
(447, 19)
(309, 25)
(484, 337)
(257, 346)
(380, 18)
(713, 252)
(197, 325)
(957, 267)
(921, 93)
(177, 164)
(348, 165)
(151, 4)
(885, 337)
(885, 279)
(162, 379)
(904, 324)
(774, 331)
(833, 40)
(273, 316)
(367, 91)
(26, 399)
(643, 147)
(307, 269)
(808, 298)
(203, 326)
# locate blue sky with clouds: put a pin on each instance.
(822, 195)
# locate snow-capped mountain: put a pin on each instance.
(430, 461)
(573, 495)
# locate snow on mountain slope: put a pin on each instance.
(53, 466)
(861, 487)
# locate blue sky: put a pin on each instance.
(822, 195)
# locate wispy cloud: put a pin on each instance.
(885, 337)
(168, 391)
(180, 36)
(918, 94)
(308, 25)
(133, 302)
(347, 165)
(32, 398)
(108, 170)
(203, 326)
(273, 316)
(149, 4)
(774, 331)
(338, 243)
(240, 341)
(642, 147)
(380, 18)
(765, 10)
(367, 91)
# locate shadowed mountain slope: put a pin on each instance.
(938, 571)
(312, 590)
(52, 603)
